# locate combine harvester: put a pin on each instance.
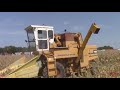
(57, 55)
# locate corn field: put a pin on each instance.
(7, 60)
(107, 65)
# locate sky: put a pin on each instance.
(12, 25)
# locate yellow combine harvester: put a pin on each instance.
(58, 55)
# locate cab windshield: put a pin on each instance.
(42, 34)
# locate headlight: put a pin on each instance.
(94, 51)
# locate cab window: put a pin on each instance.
(50, 34)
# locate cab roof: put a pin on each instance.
(30, 27)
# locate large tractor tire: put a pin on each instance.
(60, 71)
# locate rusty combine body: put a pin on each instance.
(57, 55)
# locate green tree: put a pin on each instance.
(13, 49)
(10, 49)
(1, 50)
(105, 47)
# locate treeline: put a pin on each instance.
(105, 47)
(13, 49)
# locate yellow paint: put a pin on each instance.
(24, 68)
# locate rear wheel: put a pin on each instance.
(60, 71)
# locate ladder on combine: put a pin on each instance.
(52, 71)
